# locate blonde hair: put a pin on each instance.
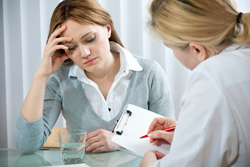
(210, 23)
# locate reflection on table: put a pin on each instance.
(31, 161)
(52, 157)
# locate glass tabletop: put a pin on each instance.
(52, 157)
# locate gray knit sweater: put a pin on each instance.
(147, 89)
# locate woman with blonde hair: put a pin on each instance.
(87, 74)
(211, 39)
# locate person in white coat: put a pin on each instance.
(211, 38)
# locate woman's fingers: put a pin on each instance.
(99, 149)
(63, 57)
(94, 145)
(159, 127)
(56, 33)
(158, 154)
(157, 135)
(50, 62)
(51, 36)
(89, 145)
(54, 40)
(62, 40)
(148, 159)
(96, 141)
(157, 121)
(52, 50)
(53, 46)
(92, 134)
(93, 139)
(161, 122)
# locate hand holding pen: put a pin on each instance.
(155, 132)
(164, 130)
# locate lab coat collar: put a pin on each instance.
(226, 50)
(232, 48)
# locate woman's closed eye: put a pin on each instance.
(90, 39)
(72, 48)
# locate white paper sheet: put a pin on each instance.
(136, 127)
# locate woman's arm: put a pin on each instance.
(160, 99)
(32, 107)
(32, 129)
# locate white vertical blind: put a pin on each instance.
(13, 65)
(46, 9)
(3, 116)
(23, 34)
(30, 33)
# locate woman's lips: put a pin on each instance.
(90, 61)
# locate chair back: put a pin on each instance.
(53, 139)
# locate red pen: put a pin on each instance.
(165, 130)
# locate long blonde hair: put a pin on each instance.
(210, 23)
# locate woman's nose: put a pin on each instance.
(85, 51)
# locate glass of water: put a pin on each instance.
(72, 143)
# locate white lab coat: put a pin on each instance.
(213, 127)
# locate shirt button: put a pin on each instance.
(109, 109)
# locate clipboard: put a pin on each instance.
(132, 124)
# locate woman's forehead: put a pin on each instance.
(74, 28)
(77, 24)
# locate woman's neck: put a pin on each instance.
(220, 48)
(108, 72)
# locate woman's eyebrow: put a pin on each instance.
(68, 42)
(81, 38)
(85, 35)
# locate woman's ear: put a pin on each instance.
(109, 30)
(199, 51)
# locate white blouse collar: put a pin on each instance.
(127, 61)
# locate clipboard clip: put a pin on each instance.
(121, 122)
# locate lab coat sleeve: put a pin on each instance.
(206, 133)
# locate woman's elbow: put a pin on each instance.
(26, 146)
(27, 149)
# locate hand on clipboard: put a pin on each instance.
(130, 127)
